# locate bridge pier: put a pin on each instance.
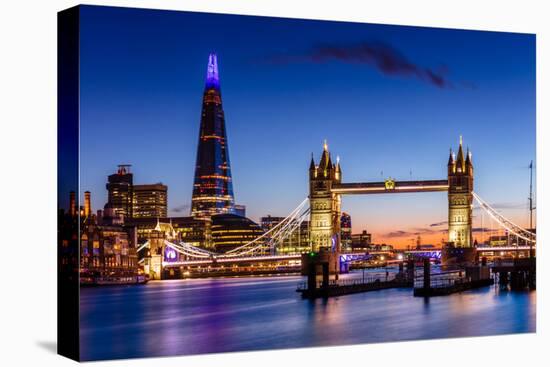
(318, 260)
(427, 276)
(451, 255)
(519, 273)
(410, 270)
(311, 276)
(313, 269)
(503, 278)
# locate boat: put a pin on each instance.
(93, 279)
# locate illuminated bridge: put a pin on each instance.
(322, 208)
(264, 248)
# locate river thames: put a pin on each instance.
(179, 317)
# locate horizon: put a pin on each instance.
(143, 103)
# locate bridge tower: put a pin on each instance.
(156, 248)
(461, 185)
(325, 205)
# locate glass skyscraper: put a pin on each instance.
(212, 187)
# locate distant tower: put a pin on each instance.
(345, 231)
(325, 206)
(212, 188)
(72, 204)
(460, 171)
(87, 204)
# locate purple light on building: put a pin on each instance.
(212, 76)
(170, 254)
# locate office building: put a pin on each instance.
(120, 191)
(230, 231)
(345, 231)
(150, 201)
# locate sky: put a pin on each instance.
(390, 100)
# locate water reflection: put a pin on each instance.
(231, 314)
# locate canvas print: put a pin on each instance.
(239, 183)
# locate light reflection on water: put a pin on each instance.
(236, 314)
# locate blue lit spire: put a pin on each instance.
(212, 75)
(213, 186)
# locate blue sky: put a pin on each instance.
(389, 100)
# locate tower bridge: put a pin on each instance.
(323, 208)
(326, 189)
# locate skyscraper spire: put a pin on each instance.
(212, 187)
(212, 74)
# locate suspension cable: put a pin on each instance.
(504, 222)
(171, 245)
(146, 244)
(290, 216)
(281, 232)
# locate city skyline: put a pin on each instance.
(221, 174)
(281, 103)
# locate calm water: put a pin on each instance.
(237, 314)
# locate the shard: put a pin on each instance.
(212, 187)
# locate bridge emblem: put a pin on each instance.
(389, 184)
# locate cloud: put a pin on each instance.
(181, 208)
(379, 55)
(398, 234)
(414, 232)
(484, 229)
(438, 224)
(428, 231)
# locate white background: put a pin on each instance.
(28, 181)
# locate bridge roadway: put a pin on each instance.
(351, 255)
(390, 187)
